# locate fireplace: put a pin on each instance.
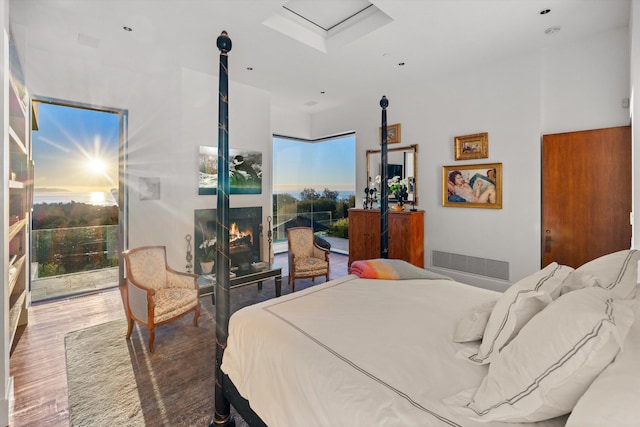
(245, 233)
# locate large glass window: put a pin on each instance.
(313, 184)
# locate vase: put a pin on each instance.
(397, 208)
(206, 267)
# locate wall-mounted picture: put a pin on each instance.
(245, 171)
(149, 188)
(472, 186)
(469, 147)
(393, 134)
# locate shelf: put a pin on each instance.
(14, 229)
(17, 304)
(16, 184)
(17, 105)
(17, 140)
(13, 279)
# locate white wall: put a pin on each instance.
(515, 101)
(584, 84)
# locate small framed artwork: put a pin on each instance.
(245, 171)
(393, 134)
(149, 188)
(470, 147)
(472, 186)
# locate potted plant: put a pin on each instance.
(207, 252)
(397, 187)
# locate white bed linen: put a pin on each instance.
(356, 352)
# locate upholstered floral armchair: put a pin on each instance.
(155, 293)
(306, 259)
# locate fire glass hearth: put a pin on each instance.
(245, 232)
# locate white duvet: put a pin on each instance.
(356, 352)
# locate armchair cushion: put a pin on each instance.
(172, 302)
(148, 267)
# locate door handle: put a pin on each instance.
(547, 241)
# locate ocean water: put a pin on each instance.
(98, 198)
(296, 194)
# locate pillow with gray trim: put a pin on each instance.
(617, 272)
(515, 307)
(471, 326)
(545, 370)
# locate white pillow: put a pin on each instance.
(612, 400)
(543, 372)
(471, 326)
(514, 308)
(617, 271)
(579, 280)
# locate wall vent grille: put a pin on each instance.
(471, 264)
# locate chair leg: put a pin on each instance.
(152, 336)
(129, 326)
(196, 315)
(293, 283)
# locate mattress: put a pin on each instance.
(357, 352)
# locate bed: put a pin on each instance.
(360, 351)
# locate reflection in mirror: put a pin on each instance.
(402, 162)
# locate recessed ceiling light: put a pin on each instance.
(128, 29)
(544, 11)
(552, 30)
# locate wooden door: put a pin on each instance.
(586, 195)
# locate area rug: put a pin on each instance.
(117, 382)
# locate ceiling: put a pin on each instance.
(304, 67)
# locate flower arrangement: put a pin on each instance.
(208, 247)
(397, 187)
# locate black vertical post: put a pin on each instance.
(384, 186)
(222, 415)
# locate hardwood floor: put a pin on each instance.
(38, 359)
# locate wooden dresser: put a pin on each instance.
(406, 235)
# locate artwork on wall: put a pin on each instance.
(393, 134)
(472, 186)
(245, 171)
(470, 147)
(149, 188)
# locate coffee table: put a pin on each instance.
(207, 282)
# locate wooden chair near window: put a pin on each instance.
(156, 294)
(306, 258)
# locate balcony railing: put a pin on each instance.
(61, 251)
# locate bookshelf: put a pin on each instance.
(18, 187)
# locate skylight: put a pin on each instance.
(322, 27)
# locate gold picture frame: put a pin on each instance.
(472, 186)
(470, 147)
(393, 134)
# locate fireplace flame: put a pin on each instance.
(236, 234)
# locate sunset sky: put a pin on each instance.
(75, 149)
(327, 164)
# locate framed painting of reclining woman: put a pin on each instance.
(472, 186)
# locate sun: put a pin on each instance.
(97, 165)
